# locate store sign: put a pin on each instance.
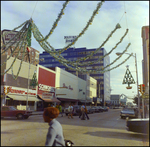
(69, 39)
(67, 87)
(20, 91)
(46, 80)
(46, 88)
(6, 38)
(47, 95)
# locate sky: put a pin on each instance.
(75, 18)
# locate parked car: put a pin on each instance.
(101, 109)
(128, 112)
(105, 108)
(11, 111)
(89, 110)
(96, 109)
(138, 125)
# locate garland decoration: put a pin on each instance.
(29, 27)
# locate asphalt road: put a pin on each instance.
(103, 129)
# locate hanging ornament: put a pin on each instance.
(34, 82)
(128, 79)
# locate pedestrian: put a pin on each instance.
(86, 113)
(57, 106)
(60, 109)
(70, 110)
(82, 109)
(141, 112)
(82, 112)
(55, 132)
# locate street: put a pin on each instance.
(103, 129)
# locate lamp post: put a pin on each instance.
(136, 78)
(28, 79)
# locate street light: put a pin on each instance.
(136, 77)
(28, 80)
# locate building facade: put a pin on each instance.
(18, 88)
(18, 92)
(145, 61)
(72, 89)
(72, 54)
(115, 100)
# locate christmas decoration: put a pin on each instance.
(29, 27)
(128, 79)
(34, 82)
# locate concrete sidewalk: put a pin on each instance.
(37, 112)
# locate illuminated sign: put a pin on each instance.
(20, 91)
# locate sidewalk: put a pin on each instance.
(37, 112)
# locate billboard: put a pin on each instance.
(10, 35)
(46, 80)
(69, 39)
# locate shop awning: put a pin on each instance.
(69, 100)
(54, 99)
(23, 97)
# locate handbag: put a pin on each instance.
(68, 142)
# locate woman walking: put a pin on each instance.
(55, 132)
(70, 110)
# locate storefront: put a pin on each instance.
(46, 87)
(21, 98)
(18, 92)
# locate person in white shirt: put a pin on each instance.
(82, 111)
(70, 110)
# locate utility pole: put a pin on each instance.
(137, 84)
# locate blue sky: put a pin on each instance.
(77, 14)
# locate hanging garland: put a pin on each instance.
(37, 33)
(29, 26)
(15, 49)
(55, 23)
(23, 40)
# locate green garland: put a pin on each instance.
(29, 27)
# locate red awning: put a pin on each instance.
(49, 100)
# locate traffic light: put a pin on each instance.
(143, 88)
(140, 88)
(4, 90)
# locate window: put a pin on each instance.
(5, 109)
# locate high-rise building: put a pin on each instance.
(72, 54)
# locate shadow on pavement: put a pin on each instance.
(119, 135)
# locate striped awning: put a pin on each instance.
(23, 97)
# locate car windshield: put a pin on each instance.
(12, 108)
(127, 109)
